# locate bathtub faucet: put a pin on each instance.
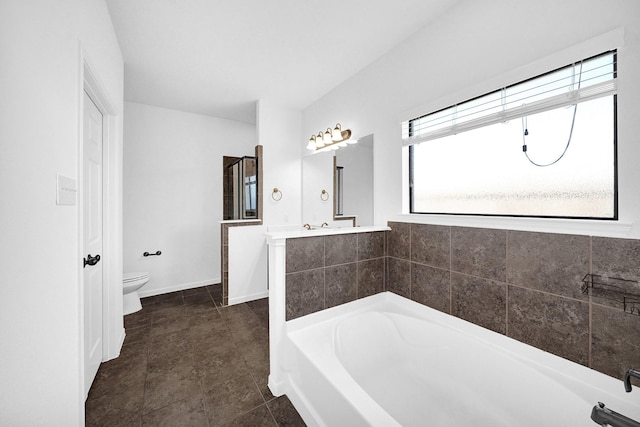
(627, 378)
(606, 417)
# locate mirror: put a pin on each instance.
(317, 175)
(353, 182)
(354, 193)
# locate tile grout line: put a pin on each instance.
(589, 348)
(450, 270)
(506, 291)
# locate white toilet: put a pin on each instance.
(131, 284)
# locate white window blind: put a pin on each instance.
(586, 80)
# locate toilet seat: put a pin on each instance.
(132, 277)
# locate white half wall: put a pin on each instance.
(43, 45)
(247, 263)
(173, 193)
(477, 47)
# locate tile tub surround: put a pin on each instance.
(314, 270)
(328, 270)
(188, 361)
(526, 285)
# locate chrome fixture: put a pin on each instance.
(606, 417)
(331, 139)
(627, 378)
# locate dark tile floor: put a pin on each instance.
(188, 361)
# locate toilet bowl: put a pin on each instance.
(131, 284)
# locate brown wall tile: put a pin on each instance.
(398, 240)
(225, 259)
(615, 341)
(399, 280)
(340, 284)
(304, 293)
(554, 263)
(546, 307)
(431, 244)
(552, 323)
(340, 249)
(305, 253)
(225, 287)
(619, 258)
(479, 252)
(431, 286)
(371, 245)
(481, 301)
(370, 277)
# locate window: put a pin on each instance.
(545, 147)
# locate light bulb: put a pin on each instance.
(327, 137)
(336, 135)
(312, 143)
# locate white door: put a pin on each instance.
(92, 239)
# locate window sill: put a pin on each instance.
(604, 228)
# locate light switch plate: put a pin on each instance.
(66, 190)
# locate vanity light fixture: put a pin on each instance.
(331, 139)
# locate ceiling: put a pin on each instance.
(218, 57)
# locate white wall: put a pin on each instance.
(173, 193)
(279, 134)
(475, 48)
(42, 45)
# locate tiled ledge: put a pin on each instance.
(232, 222)
(327, 231)
(585, 227)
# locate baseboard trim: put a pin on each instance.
(239, 300)
(111, 355)
(181, 287)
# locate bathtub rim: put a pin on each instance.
(564, 371)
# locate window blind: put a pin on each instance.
(588, 79)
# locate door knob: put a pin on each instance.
(91, 260)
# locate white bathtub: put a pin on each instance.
(388, 361)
